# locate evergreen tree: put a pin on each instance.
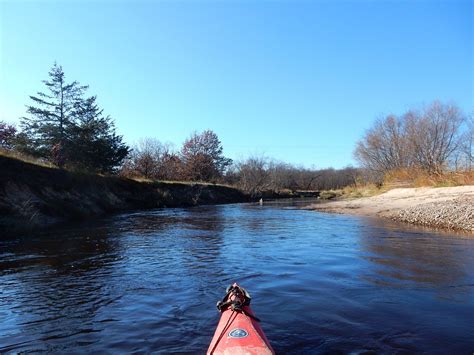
(94, 144)
(51, 115)
(68, 129)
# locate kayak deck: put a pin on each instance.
(238, 330)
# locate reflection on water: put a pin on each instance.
(408, 258)
(321, 283)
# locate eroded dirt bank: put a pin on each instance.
(35, 196)
(442, 207)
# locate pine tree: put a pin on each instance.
(50, 116)
(94, 144)
(68, 129)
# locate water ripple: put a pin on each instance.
(148, 282)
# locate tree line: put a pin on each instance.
(201, 159)
(435, 139)
(257, 174)
(67, 128)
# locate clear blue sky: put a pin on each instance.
(297, 80)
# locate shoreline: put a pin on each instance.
(35, 197)
(449, 208)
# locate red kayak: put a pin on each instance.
(238, 331)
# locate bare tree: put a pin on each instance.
(254, 175)
(283, 176)
(429, 139)
(434, 136)
(384, 146)
(153, 159)
(145, 157)
(468, 143)
(257, 174)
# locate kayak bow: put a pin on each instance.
(238, 331)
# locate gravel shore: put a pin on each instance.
(457, 214)
(444, 207)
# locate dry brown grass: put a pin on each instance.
(150, 181)
(25, 158)
(366, 190)
(420, 178)
(353, 191)
(41, 162)
(402, 178)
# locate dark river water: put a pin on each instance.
(321, 283)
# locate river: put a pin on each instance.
(321, 283)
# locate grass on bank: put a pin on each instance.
(43, 163)
(420, 178)
(151, 181)
(353, 191)
(393, 179)
(26, 158)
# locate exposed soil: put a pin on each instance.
(35, 196)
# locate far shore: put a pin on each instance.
(441, 207)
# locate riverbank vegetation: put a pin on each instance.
(428, 146)
(67, 129)
(201, 159)
(34, 195)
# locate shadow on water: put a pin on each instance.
(403, 258)
(43, 290)
(321, 283)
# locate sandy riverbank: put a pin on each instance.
(443, 207)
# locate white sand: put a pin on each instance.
(445, 207)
